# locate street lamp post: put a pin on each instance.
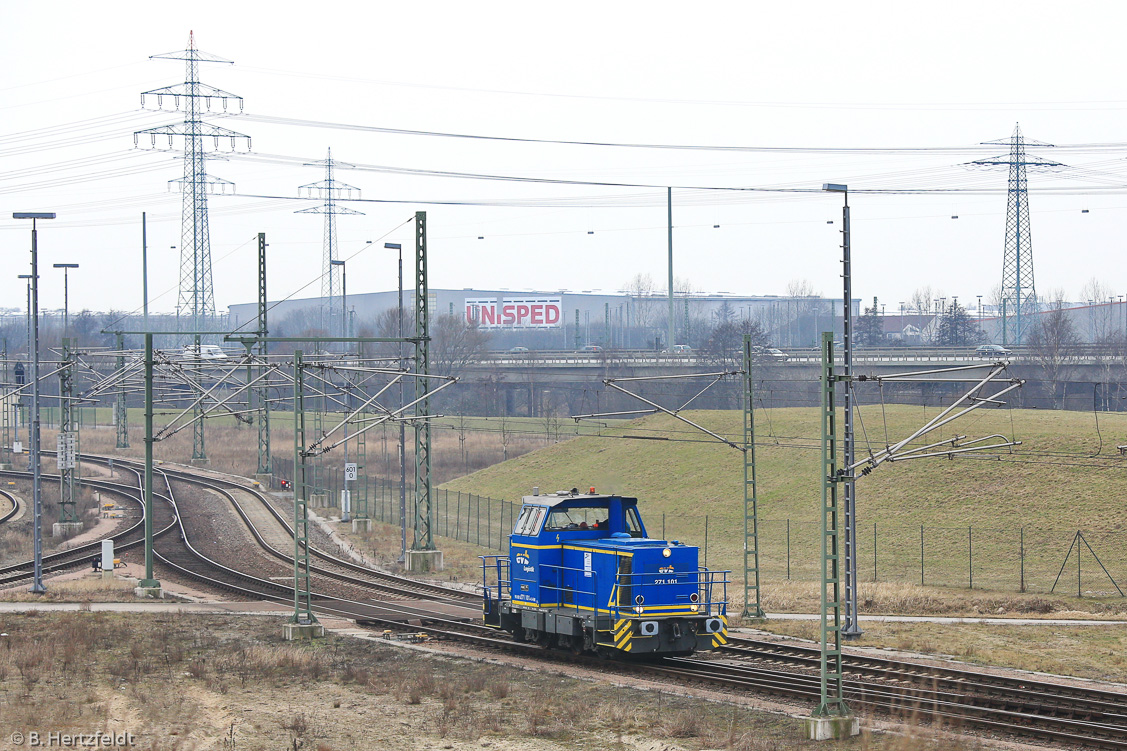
(36, 478)
(852, 627)
(402, 426)
(66, 267)
(21, 375)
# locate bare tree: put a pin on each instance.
(920, 301)
(642, 289)
(456, 343)
(1101, 318)
(1051, 343)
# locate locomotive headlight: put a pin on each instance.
(667, 552)
(694, 607)
(638, 610)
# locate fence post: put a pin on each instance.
(970, 555)
(1022, 556)
(458, 516)
(874, 551)
(788, 548)
(488, 521)
(921, 555)
(706, 540)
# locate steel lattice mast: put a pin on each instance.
(1019, 293)
(196, 301)
(330, 190)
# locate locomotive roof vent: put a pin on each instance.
(536, 490)
(575, 491)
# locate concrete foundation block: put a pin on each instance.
(149, 593)
(318, 500)
(107, 575)
(361, 525)
(421, 561)
(199, 462)
(264, 480)
(7, 466)
(65, 529)
(831, 728)
(298, 631)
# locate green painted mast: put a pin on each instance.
(832, 691)
(753, 607)
(424, 515)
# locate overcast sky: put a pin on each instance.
(883, 96)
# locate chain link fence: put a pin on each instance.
(1018, 559)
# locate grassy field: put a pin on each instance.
(979, 511)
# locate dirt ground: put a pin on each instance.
(192, 681)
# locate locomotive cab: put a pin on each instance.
(583, 574)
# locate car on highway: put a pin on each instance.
(518, 351)
(203, 352)
(678, 349)
(592, 349)
(991, 350)
(769, 353)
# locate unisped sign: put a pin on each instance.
(515, 312)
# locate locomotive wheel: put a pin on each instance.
(519, 635)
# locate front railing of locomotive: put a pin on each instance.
(495, 582)
(673, 609)
(699, 592)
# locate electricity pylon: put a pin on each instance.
(196, 302)
(332, 275)
(1019, 295)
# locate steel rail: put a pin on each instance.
(15, 505)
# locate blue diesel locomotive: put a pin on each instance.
(582, 574)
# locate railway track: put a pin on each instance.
(178, 553)
(1073, 701)
(125, 538)
(334, 567)
(1053, 713)
(11, 498)
(1041, 713)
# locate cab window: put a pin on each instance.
(633, 525)
(529, 521)
(590, 517)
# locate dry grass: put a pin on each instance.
(1097, 652)
(458, 448)
(16, 535)
(192, 681)
(89, 589)
(892, 598)
(381, 546)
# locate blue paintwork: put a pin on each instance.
(579, 568)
